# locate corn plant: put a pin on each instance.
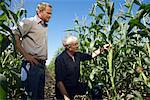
(124, 69)
(9, 59)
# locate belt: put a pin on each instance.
(41, 61)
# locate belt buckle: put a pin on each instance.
(41, 61)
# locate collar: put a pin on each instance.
(37, 19)
(40, 21)
(70, 55)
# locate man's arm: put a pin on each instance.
(23, 28)
(101, 50)
(28, 57)
(62, 89)
(96, 52)
(60, 74)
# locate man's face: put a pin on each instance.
(46, 14)
(74, 47)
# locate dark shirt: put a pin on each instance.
(67, 70)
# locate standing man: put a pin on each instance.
(31, 42)
(67, 69)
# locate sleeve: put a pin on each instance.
(23, 28)
(84, 56)
(59, 69)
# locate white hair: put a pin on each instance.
(69, 39)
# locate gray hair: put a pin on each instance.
(69, 39)
(41, 6)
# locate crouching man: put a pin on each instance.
(67, 69)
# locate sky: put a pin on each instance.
(63, 14)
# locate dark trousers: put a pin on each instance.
(35, 82)
(80, 89)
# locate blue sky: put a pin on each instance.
(63, 14)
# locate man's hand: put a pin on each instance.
(31, 58)
(101, 50)
(28, 57)
(63, 90)
(107, 46)
(66, 98)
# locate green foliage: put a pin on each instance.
(124, 69)
(9, 60)
(3, 87)
(4, 41)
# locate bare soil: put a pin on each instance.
(49, 86)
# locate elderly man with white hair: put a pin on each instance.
(67, 69)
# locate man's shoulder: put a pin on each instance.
(29, 19)
(61, 56)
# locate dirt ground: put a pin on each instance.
(49, 86)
